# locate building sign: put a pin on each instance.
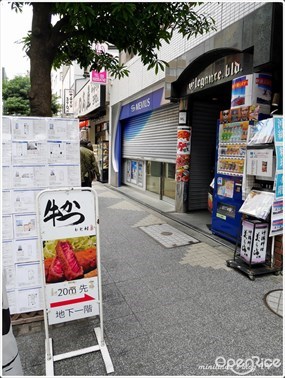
(68, 101)
(98, 77)
(142, 105)
(88, 99)
(220, 71)
(67, 226)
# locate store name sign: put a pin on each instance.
(87, 100)
(141, 105)
(205, 79)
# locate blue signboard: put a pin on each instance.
(142, 105)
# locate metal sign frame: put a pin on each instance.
(50, 358)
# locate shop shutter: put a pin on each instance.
(202, 160)
(152, 136)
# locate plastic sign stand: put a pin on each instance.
(68, 225)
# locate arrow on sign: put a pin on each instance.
(72, 301)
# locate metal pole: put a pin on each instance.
(98, 252)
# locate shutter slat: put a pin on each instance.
(152, 135)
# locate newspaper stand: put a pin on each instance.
(64, 214)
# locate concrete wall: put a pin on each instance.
(140, 78)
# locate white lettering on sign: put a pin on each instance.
(140, 105)
(230, 70)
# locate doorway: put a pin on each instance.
(204, 112)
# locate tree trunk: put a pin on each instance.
(41, 58)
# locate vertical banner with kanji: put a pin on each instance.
(277, 207)
(183, 154)
(68, 238)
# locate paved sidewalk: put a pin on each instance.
(167, 310)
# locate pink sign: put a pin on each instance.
(98, 77)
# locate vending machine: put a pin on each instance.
(230, 159)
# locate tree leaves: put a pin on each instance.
(134, 27)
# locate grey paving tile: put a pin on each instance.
(36, 370)
(122, 272)
(124, 328)
(29, 351)
(65, 367)
(114, 309)
(110, 292)
(153, 320)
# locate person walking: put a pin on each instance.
(89, 166)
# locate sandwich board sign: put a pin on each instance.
(69, 241)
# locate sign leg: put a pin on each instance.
(49, 358)
(104, 351)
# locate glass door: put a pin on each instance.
(168, 180)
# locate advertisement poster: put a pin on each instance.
(6, 202)
(28, 129)
(278, 141)
(140, 173)
(276, 218)
(252, 89)
(183, 155)
(69, 246)
(226, 188)
(30, 148)
(134, 171)
(241, 91)
(259, 162)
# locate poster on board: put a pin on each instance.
(67, 224)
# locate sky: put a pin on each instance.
(14, 26)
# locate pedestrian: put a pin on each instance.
(11, 363)
(89, 166)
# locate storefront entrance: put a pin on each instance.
(204, 111)
(160, 179)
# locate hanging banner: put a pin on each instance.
(183, 154)
(98, 77)
(278, 141)
(277, 207)
(67, 228)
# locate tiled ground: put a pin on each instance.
(168, 236)
(206, 256)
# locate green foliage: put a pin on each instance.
(139, 27)
(15, 95)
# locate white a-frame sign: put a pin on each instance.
(69, 239)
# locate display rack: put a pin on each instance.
(254, 250)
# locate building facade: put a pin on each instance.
(248, 40)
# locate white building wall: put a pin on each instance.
(139, 79)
